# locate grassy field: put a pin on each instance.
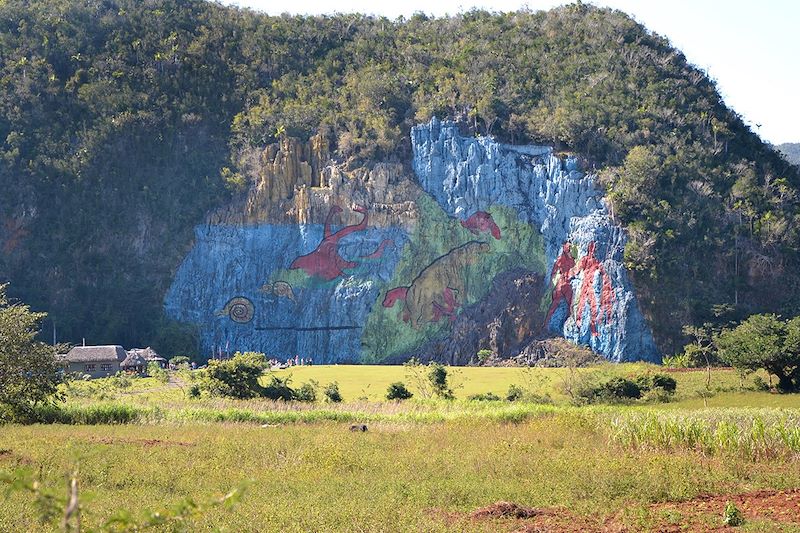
(423, 465)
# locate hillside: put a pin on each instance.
(791, 151)
(128, 127)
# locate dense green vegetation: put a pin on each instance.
(765, 342)
(122, 123)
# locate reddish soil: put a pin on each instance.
(504, 510)
(779, 506)
(703, 513)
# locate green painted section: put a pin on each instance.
(386, 334)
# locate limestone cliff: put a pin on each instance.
(487, 246)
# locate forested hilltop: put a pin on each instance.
(123, 123)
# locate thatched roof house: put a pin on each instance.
(96, 361)
(134, 363)
(149, 355)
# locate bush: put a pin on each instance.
(484, 397)
(278, 389)
(483, 356)
(760, 384)
(194, 391)
(618, 388)
(307, 392)
(437, 375)
(398, 391)
(515, 393)
(663, 382)
(179, 361)
(331, 392)
(155, 371)
(238, 377)
(732, 516)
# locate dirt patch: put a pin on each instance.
(4, 453)
(700, 514)
(504, 510)
(697, 514)
(147, 443)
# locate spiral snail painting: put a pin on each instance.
(239, 309)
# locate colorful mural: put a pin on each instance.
(397, 278)
(325, 261)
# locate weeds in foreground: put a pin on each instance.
(63, 511)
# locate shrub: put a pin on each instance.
(437, 375)
(331, 392)
(307, 392)
(620, 388)
(278, 389)
(194, 391)
(662, 382)
(398, 391)
(484, 397)
(732, 516)
(594, 388)
(665, 382)
(515, 393)
(760, 384)
(238, 377)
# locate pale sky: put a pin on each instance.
(752, 49)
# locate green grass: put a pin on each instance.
(395, 477)
(371, 381)
(422, 466)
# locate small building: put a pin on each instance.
(150, 356)
(95, 361)
(134, 363)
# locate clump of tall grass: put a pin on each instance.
(93, 414)
(755, 434)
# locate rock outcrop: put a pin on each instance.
(488, 246)
(592, 302)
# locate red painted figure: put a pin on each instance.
(561, 274)
(589, 265)
(482, 222)
(325, 262)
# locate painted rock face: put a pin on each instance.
(239, 309)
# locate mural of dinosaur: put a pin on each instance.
(325, 262)
(378, 253)
(433, 293)
(482, 222)
(476, 212)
